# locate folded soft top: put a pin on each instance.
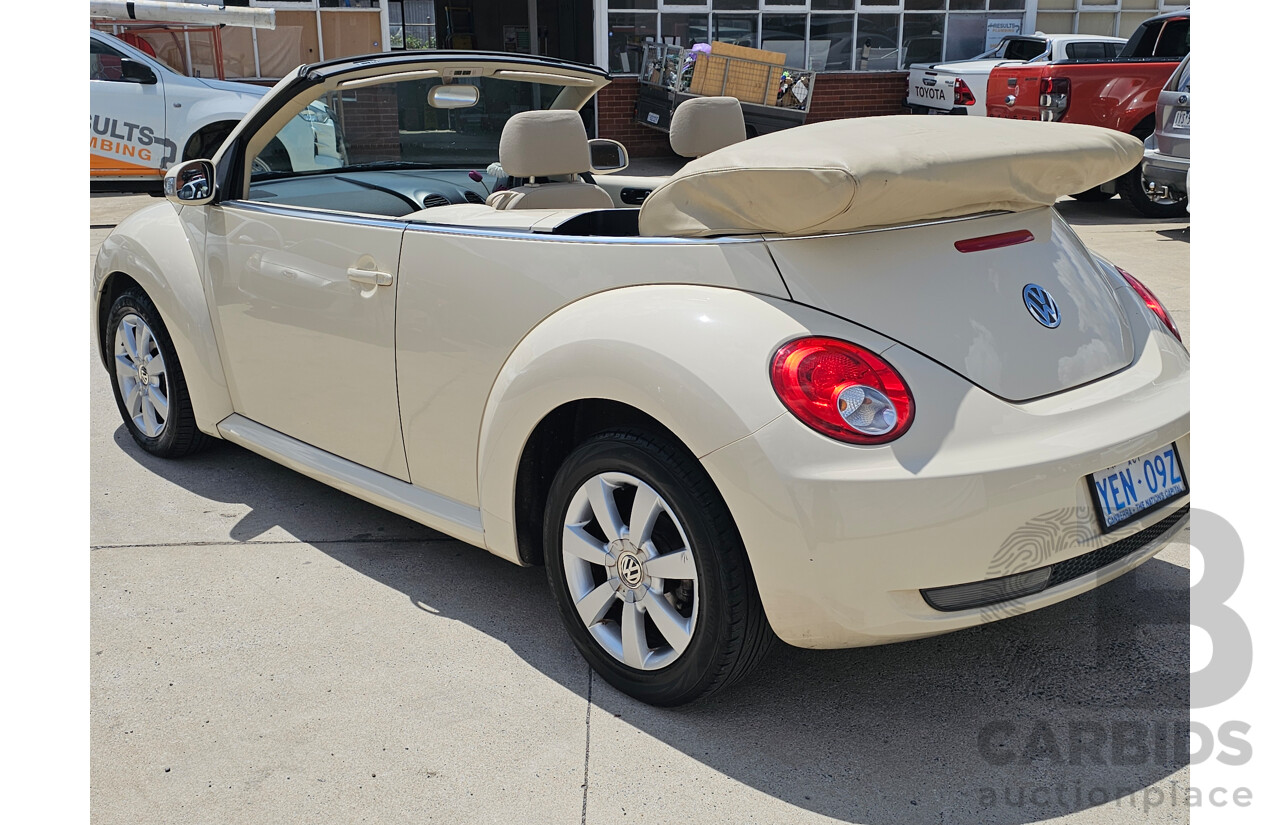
(844, 175)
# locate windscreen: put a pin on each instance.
(396, 125)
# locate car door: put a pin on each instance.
(126, 117)
(305, 305)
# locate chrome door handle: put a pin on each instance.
(372, 277)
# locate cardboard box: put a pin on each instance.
(750, 75)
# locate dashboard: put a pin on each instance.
(393, 193)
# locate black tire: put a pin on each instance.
(178, 434)
(1094, 195)
(730, 633)
(1132, 189)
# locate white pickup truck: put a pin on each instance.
(144, 117)
(960, 87)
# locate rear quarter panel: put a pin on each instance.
(467, 300)
(694, 358)
(1114, 95)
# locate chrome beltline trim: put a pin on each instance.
(447, 229)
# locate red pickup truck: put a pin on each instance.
(1118, 93)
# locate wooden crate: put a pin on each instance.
(750, 75)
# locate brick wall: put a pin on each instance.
(615, 113)
(370, 122)
(835, 96)
(857, 95)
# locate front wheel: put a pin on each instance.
(649, 572)
(147, 379)
(1134, 190)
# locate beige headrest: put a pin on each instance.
(701, 125)
(542, 144)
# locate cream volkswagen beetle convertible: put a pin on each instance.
(847, 384)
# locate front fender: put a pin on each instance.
(694, 358)
(159, 249)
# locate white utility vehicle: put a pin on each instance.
(960, 86)
(144, 117)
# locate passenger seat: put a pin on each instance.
(701, 125)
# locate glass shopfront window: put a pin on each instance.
(822, 35)
(627, 36)
(785, 33)
(738, 29)
(684, 29)
(831, 42)
(877, 42)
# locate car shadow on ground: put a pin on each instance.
(1116, 211)
(1072, 707)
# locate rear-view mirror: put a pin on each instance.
(453, 96)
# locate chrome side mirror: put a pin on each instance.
(607, 156)
(190, 183)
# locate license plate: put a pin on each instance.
(1124, 492)
(1182, 119)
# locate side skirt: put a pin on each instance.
(437, 512)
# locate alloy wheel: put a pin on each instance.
(141, 377)
(632, 578)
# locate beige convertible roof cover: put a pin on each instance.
(844, 175)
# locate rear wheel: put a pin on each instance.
(649, 572)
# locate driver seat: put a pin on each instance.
(541, 145)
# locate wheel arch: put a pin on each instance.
(1143, 124)
(691, 363)
(152, 250)
(190, 151)
(551, 442)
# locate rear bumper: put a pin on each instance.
(917, 109)
(842, 539)
(1166, 170)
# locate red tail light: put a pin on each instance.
(964, 95)
(842, 390)
(1149, 298)
(1055, 97)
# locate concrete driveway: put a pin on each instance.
(266, 649)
